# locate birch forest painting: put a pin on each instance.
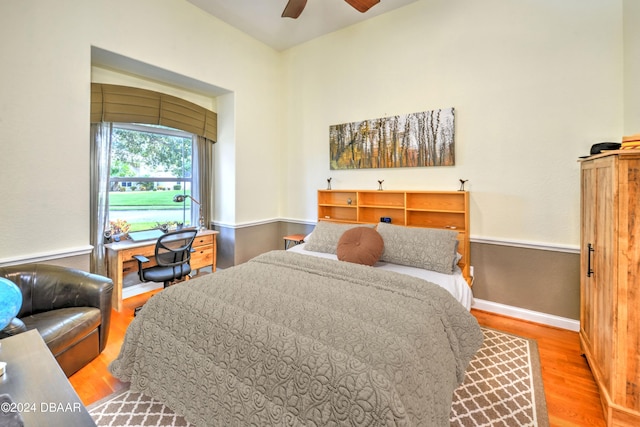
(412, 140)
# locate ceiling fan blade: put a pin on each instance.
(294, 8)
(362, 5)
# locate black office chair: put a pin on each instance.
(172, 254)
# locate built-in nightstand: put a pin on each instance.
(293, 239)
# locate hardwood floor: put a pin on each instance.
(93, 382)
(571, 394)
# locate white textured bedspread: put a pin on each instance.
(288, 339)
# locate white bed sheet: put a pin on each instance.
(453, 283)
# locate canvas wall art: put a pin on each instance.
(411, 140)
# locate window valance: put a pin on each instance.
(124, 104)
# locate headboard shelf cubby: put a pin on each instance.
(427, 209)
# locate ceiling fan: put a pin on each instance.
(295, 7)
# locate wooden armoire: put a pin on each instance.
(610, 280)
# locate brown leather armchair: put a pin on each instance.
(70, 308)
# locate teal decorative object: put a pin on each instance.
(10, 301)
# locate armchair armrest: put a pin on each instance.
(15, 327)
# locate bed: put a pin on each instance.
(292, 339)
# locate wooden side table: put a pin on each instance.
(38, 388)
(293, 239)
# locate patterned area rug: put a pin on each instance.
(503, 387)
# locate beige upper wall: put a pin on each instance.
(631, 67)
(533, 85)
(44, 109)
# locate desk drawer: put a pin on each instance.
(147, 251)
(202, 257)
(202, 240)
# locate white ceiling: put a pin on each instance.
(261, 18)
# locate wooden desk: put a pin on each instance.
(120, 259)
(37, 385)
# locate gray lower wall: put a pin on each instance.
(80, 262)
(238, 245)
(545, 281)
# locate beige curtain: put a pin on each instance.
(124, 104)
(100, 165)
(203, 178)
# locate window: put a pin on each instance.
(150, 165)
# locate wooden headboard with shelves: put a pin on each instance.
(427, 209)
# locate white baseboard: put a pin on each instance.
(529, 315)
(141, 288)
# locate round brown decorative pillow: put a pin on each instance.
(360, 245)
